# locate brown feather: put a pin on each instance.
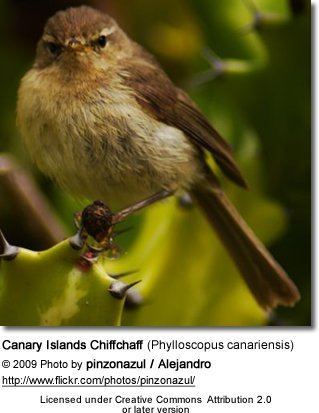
(158, 95)
(75, 21)
(266, 279)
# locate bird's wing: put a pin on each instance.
(156, 93)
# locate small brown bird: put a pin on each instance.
(100, 116)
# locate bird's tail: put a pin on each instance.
(266, 279)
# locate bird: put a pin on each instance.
(100, 116)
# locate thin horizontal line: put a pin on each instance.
(58, 385)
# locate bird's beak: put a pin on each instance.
(75, 45)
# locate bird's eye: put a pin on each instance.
(102, 40)
(54, 48)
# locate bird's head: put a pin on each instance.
(81, 37)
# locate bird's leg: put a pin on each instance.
(121, 215)
(124, 213)
(98, 222)
(77, 219)
(78, 240)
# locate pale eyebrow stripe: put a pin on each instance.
(108, 31)
(48, 38)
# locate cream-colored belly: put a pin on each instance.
(103, 146)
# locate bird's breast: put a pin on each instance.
(98, 143)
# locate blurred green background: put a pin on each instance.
(248, 65)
